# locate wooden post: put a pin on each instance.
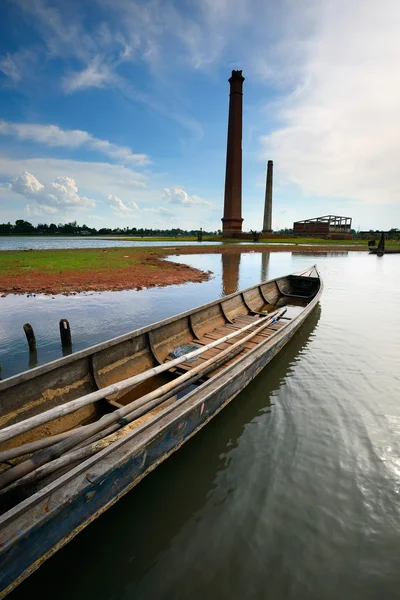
(65, 334)
(33, 358)
(381, 246)
(30, 336)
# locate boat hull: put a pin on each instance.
(38, 527)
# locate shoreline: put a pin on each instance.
(74, 271)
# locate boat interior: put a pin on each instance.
(74, 376)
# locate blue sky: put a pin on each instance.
(114, 112)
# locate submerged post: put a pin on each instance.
(267, 226)
(65, 334)
(30, 336)
(232, 219)
(381, 246)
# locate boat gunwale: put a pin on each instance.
(91, 350)
(183, 405)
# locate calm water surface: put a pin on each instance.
(61, 243)
(292, 491)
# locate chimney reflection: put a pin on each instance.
(264, 265)
(230, 273)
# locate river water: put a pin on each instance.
(64, 242)
(292, 491)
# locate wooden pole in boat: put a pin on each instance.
(64, 446)
(30, 336)
(12, 431)
(86, 448)
(30, 447)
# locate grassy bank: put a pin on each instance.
(70, 271)
(100, 269)
(270, 241)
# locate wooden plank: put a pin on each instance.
(259, 338)
(245, 319)
(253, 298)
(212, 336)
(250, 345)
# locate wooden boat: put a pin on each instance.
(386, 251)
(381, 250)
(78, 433)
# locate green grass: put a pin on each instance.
(157, 239)
(56, 261)
(101, 259)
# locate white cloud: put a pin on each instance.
(39, 210)
(96, 74)
(103, 182)
(159, 211)
(119, 206)
(94, 177)
(341, 127)
(9, 67)
(130, 208)
(16, 66)
(54, 136)
(58, 195)
(177, 195)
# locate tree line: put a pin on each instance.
(22, 227)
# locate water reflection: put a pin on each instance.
(300, 502)
(264, 265)
(61, 243)
(96, 317)
(230, 273)
(335, 253)
(124, 548)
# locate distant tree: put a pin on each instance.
(23, 227)
(285, 231)
(6, 228)
(42, 228)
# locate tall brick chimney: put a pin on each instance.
(232, 219)
(267, 226)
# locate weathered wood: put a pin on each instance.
(38, 526)
(245, 303)
(62, 447)
(109, 348)
(13, 430)
(15, 452)
(381, 246)
(75, 455)
(65, 334)
(30, 336)
(30, 447)
(33, 359)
